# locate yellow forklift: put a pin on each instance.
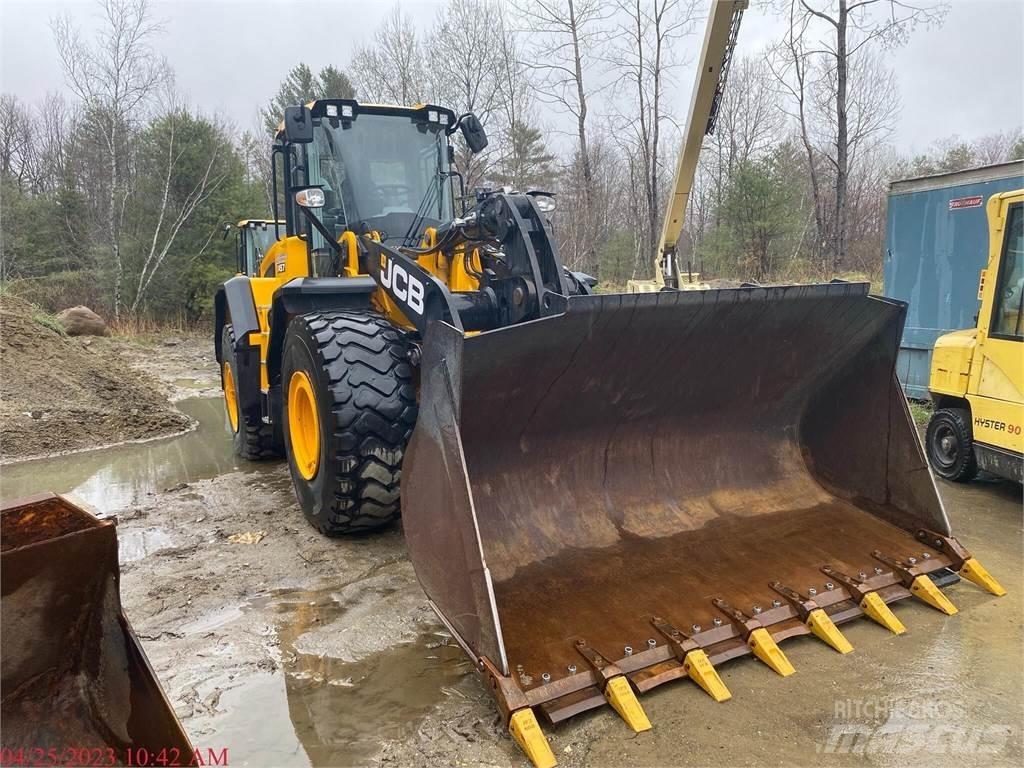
(977, 374)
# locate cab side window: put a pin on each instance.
(1007, 320)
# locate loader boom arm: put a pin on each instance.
(712, 71)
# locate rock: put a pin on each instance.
(82, 321)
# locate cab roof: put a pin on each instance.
(319, 108)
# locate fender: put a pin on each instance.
(234, 302)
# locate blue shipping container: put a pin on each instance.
(936, 244)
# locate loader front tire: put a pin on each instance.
(251, 440)
(350, 406)
(950, 443)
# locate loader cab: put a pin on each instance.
(253, 238)
(380, 169)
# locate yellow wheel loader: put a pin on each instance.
(977, 375)
(599, 493)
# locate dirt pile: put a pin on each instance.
(59, 393)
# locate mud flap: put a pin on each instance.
(664, 455)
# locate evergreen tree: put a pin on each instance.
(300, 86)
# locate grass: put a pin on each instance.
(921, 411)
(47, 321)
(145, 329)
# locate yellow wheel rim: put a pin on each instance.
(230, 399)
(303, 425)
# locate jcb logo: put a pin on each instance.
(404, 286)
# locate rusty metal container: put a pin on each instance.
(601, 492)
(74, 676)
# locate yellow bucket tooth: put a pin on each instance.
(620, 695)
(821, 624)
(878, 611)
(700, 670)
(975, 572)
(924, 589)
(526, 731)
(766, 650)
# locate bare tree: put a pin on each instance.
(115, 76)
(997, 147)
(390, 68)
(564, 36)
(642, 58)
(17, 130)
(841, 30)
(175, 207)
(465, 50)
(791, 65)
(466, 46)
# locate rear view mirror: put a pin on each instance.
(298, 125)
(473, 132)
(310, 197)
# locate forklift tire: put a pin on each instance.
(349, 409)
(950, 444)
(254, 441)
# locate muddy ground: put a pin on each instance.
(293, 649)
(60, 394)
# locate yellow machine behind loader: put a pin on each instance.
(977, 375)
(600, 493)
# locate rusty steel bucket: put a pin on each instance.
(602, 493)
(74, 677)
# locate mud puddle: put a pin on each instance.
(114, 478)
(315, 709)
(135, 545)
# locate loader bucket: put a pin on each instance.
(606, 491)
(74, 678)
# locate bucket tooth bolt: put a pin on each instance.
(527, 733)
(975, 572)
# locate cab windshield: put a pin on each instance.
(384, 172)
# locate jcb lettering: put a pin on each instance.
(404, 286)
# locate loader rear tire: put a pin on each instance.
(251, 440)
(950, 443)
(350, 406)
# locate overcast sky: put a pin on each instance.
(965, 78)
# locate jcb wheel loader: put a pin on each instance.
(599, 493)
